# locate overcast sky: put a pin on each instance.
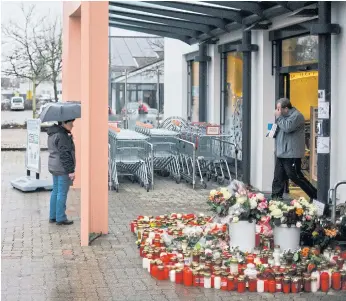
(10, 10)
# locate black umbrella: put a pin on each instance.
(61, 111)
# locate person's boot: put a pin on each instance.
(51, 221)
(65, 222)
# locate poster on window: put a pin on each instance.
(33, 145)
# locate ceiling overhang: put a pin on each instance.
(194, 22)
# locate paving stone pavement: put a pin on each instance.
(41, 261)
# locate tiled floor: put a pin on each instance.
(41, 261)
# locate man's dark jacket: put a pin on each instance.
(62, 160)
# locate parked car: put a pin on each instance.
(17, 103)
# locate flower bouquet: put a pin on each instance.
(296, 213)
(239, 208)
(235, 203)
(287, 220)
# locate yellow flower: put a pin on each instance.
(299, 211)
(315, 233)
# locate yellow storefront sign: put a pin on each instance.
(29, 95)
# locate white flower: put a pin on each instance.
(242, 199)
(298, 224)
(277, 213)
(297, 205)
(284, 207)
(226, 195)
(272, 207)
(212, 192)
(260, 196)
(253, 203)
(223, 190)
(235, 219)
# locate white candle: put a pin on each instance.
(260, 286)
(316, 274)
(217, 282)
(314, 285)
(145, 263)
(207, 282)
(172, 275)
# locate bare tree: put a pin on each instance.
(53, 47)
(28, 56)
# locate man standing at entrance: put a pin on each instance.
(290, 149)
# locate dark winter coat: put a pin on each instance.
(61, 148)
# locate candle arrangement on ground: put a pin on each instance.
(234, 249)
(194, 251)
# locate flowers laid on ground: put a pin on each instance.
(319, 232)
(163, 243)
(296, 213)
(235, 203)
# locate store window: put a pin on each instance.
(234, 99)
(300, 51)
(195, 92)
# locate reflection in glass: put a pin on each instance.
(233, 105)
(300, 51)
(195, 92)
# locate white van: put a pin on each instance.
(17, 103)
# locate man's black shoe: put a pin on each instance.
(66, 222)
(51, 221)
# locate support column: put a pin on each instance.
(246, 47)
(203, 59)
(324, 29)
(94, 121)
(71, 74)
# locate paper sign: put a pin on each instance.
(321, 96)
(323, 110)
(213, 130)
(320, 207)
(323, 145)
(271, 133)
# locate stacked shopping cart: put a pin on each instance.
(195, 152)
(130, 155)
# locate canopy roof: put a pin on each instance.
(196, 21)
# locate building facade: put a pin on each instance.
(286, 59)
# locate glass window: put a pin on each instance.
(195, 92)
(300, 51)
(233, 105)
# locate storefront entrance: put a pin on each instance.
(298, 80)
(301, 88)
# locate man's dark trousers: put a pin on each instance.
(290, 168)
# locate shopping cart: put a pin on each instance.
(165, 151)
(211, 153)
(131, 155)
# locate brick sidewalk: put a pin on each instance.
(41, 261)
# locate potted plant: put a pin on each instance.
(287, 220)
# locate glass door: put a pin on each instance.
(301, 87)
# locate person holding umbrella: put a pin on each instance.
(61, 164)
(61, 160)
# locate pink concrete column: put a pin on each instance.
(71, 70)
(94, 121)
